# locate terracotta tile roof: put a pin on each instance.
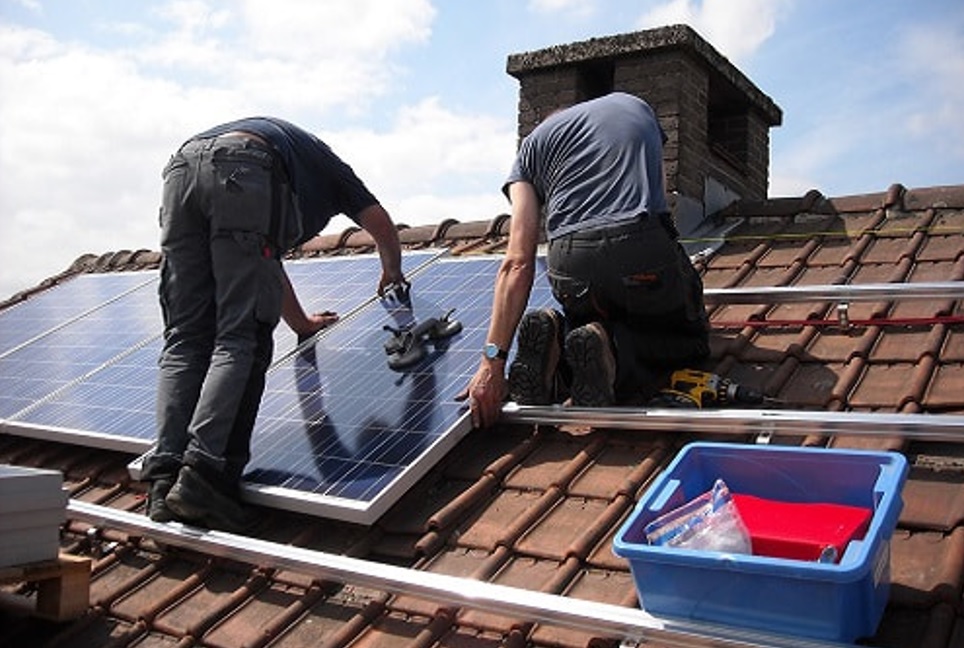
(536, 507)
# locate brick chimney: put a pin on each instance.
(716, 121)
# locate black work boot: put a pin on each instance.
(590, 357)
(157, 509)
(195, 500)
(532, 374)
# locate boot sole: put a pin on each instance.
(592, 380)
(529, 373)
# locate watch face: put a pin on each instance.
(492, 351)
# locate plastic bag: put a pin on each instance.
(710, 522)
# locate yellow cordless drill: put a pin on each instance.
(692, 388)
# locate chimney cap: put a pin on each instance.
(681, 37)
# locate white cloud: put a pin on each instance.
(291, 56)
(737, 28)
(81, 146)
(933, 58)
(85, 131)
(433, 160)
(30, 5)
(309, 30)
(579, 8)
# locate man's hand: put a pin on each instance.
(313, 323)
(396, 286)
(486, 392)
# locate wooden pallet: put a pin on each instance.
(63, 585)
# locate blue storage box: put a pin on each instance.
(841, 601)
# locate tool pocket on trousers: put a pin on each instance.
(241, 195)
(256, 274)
(653, 290)
(268, 308)
(574, 295)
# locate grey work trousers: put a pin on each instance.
(637, 281)
(220, 295)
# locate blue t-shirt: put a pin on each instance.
(595, 164)
(323, 185)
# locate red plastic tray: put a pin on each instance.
(801, 531)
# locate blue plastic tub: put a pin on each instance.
(841, 601)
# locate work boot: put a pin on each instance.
(195, 500)
(590, 357)
(532, 374)
(157, 509)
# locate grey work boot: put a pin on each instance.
(193, 499)
(532, 374)
(590, 357)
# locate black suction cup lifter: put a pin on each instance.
(406, 347)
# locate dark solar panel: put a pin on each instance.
(60, 304)
(111, 408)
(32, 372)
(93, 381)
(340, 433)
(343, 435)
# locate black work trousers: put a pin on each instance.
(637, 280)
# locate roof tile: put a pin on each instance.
(927, 568)
(557, 535)
(488, 528)
(525, 572)
(218, 593)
(933, 499)
(619, 468)
(946, 393)
(554, 462)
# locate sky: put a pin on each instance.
(95, 95)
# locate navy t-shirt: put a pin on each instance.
(595, 164)
(322, 183)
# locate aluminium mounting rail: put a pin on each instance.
(835, 292)
(631, 624)
(921, 427)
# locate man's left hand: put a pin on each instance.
(315, 322)
(486, 392)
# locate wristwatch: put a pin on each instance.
(492, 351)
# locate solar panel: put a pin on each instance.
(55, 391)
(60, 304)
(31, 372)
(342, 435)
(111, 408)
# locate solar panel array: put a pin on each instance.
(79, 362)
(339, 433)
(64, 336)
